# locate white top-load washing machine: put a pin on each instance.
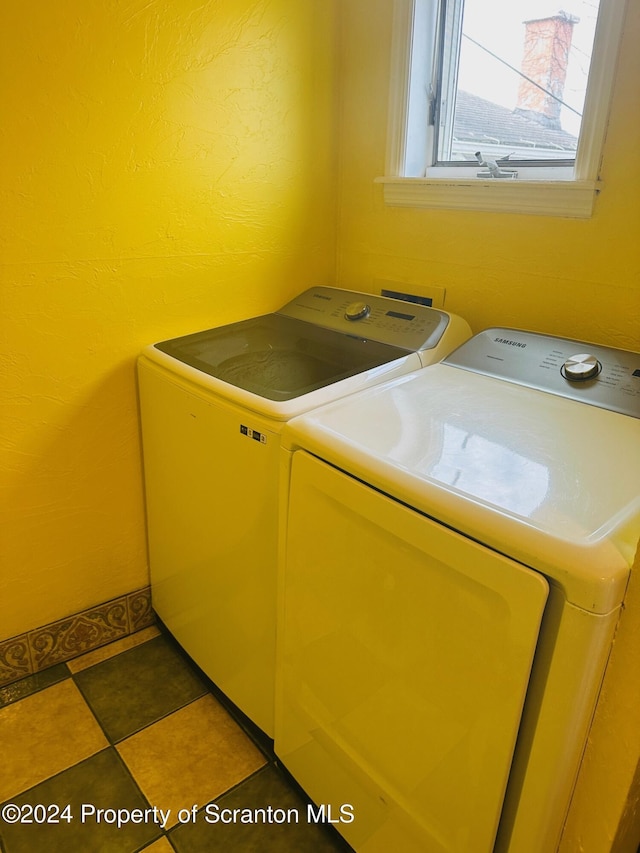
(457, 546)
(212, 406)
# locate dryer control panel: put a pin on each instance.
(366, 315)
(588, 373)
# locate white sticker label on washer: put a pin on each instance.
(253, 433)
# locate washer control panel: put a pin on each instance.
(600, 376)
(368, 316)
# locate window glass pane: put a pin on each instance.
(518, 89)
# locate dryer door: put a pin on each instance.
(405, 656)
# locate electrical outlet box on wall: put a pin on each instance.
(425, 294)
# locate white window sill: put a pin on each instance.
(573, 199)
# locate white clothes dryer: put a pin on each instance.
(213, 405)
(458, 543)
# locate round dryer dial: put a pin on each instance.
(580, 367)
(357, 310)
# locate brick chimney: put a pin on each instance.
(546, 55)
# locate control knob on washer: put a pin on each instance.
(357, 310)
(579, 367)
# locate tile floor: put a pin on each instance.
(123, 749)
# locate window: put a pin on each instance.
(500, 106)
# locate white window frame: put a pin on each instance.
(568, 192)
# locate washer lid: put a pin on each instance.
(540, 478)
(279, 357)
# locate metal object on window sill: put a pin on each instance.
(495, 171)
(510, 174)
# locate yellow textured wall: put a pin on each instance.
(166, 166)
(568, 277)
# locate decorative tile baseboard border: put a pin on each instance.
(60, 641)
